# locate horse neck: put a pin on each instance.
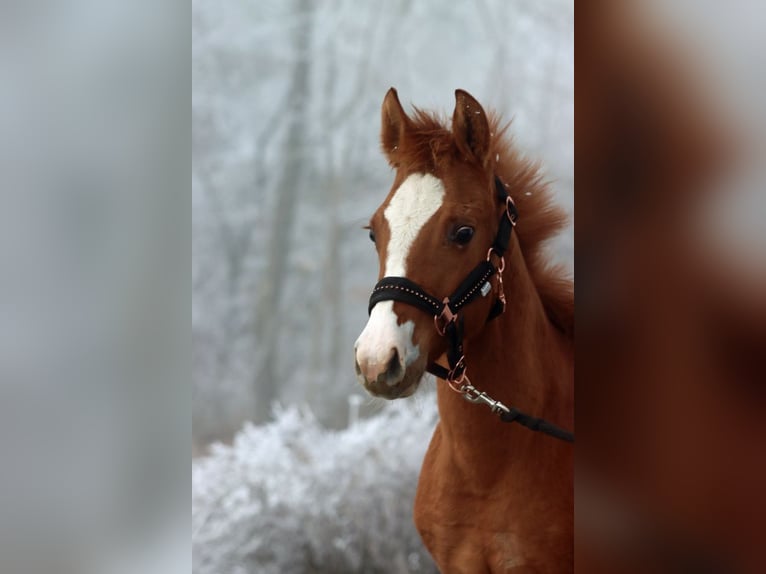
(519, 358)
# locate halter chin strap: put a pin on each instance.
(449, 321)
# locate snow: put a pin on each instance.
(292, 497)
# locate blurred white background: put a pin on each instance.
(94, 143)
(287, 169)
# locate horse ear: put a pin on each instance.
(470, 127)
(394, 125)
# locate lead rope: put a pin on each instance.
(509, 414)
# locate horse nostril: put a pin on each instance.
(394, 365)
(388, 370)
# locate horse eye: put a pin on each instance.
(462, 235)
(372, 236)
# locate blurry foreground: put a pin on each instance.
(671, 304)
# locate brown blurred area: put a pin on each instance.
(671, 318)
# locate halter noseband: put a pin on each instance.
(449, 322)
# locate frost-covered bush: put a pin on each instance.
(291, 497)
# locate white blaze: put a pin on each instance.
(414, 203)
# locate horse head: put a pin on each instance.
(435, 225)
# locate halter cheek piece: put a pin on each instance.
(449, 322)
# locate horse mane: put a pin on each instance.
(429, 142)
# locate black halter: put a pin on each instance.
(446, 312)
(449, 322)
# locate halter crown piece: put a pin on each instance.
(448, 320)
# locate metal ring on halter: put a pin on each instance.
(459, 385)
(459, 366)
(456, 383)
(510, 210)
(490, 253)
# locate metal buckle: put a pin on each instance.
(446, 315)
(462, 386)
(475, 396)
(471, 393)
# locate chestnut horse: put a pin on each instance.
(492, 497)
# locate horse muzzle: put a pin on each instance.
(388, 364)
(386, 375)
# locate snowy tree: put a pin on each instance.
(286, 170)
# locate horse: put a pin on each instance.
(467, 293)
